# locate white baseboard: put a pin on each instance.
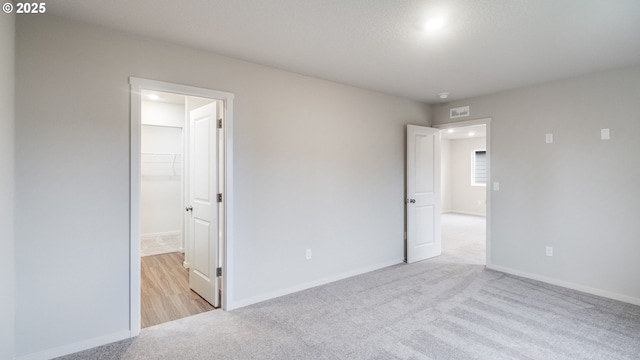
(274, 294)
(566, 284)
(75, 347)
(466, 213)
(163, 233)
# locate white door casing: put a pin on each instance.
(203, 202)
(226, 214)
(423, 193)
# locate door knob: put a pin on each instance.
(189, 208)
(411, 201)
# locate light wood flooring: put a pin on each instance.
(165, 290)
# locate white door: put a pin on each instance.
(203, 202)
(423, 193)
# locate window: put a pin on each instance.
(479, 168)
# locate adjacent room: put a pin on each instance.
(320, 179)
(464, 191)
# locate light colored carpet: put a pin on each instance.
(464, 238)
(443, 308)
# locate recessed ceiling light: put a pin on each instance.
(153, 97)
(450, 131)
(471, 133)
(434, 24)
(443, 95)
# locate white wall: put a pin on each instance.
(162, 163)
(445, 171)
(466, 198)
(7, 123)
(578, 194)
(317, 165)
(162, 113)
(161, 180)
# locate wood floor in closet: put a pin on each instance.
(165, 290)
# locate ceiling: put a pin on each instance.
(484, 46)
(164, 97)
(466, 132)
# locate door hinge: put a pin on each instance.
(219, 123)
(219, 197)
(219, 272)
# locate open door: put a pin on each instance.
(204, 202)
(423, 193)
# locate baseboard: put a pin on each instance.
(567, 284)
(274, 294)
(160, 234)
(75, 347)
(466, 213)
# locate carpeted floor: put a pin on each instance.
(449, 307)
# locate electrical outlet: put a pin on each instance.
(549, 138)
(496, 186)
(549, 251)
(605, 134)
(308, 254)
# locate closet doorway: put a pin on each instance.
(166, 293)
(179, 220)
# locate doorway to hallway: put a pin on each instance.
(464, 237)
(465, 175)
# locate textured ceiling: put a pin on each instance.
(485, 46)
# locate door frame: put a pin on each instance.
(489, 187)
(226, 243)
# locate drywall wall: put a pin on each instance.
(577, 194)
(445, 174)
(466, 198)
(7, 94)
(162, 113)
(317, 165)
(161, 168)
(161, 205)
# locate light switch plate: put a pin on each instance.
(549, 138)
(496, 186)
(604, 134)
